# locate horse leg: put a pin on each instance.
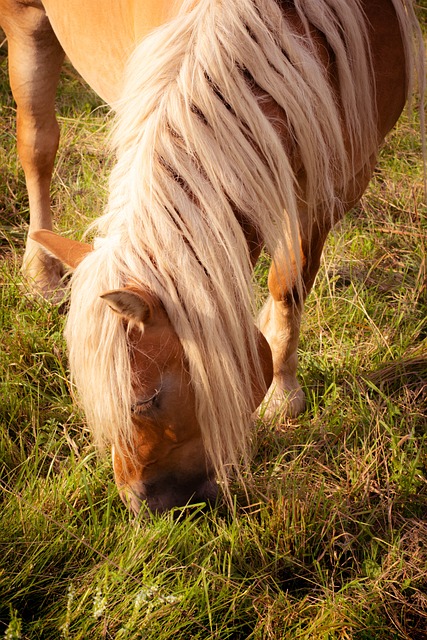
(35, 61)
(280, 321)
(280, 318)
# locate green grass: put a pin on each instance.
(332, 541)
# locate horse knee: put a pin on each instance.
(37, 143)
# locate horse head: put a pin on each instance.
(163, 463)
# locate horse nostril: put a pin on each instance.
(208, 492)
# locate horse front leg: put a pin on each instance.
(280, 321)
(35, 61)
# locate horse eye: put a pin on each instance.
(140, 406)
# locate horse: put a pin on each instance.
(239, 124)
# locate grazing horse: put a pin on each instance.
(239, 124)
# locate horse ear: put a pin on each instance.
(70, 252)
(131, 304)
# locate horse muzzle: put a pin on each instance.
(169, 493)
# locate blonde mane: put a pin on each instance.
(194, 147)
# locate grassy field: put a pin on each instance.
(333, 542)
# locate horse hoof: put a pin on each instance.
(44, 273)
(280, 404)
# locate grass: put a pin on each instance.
(331, 544)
